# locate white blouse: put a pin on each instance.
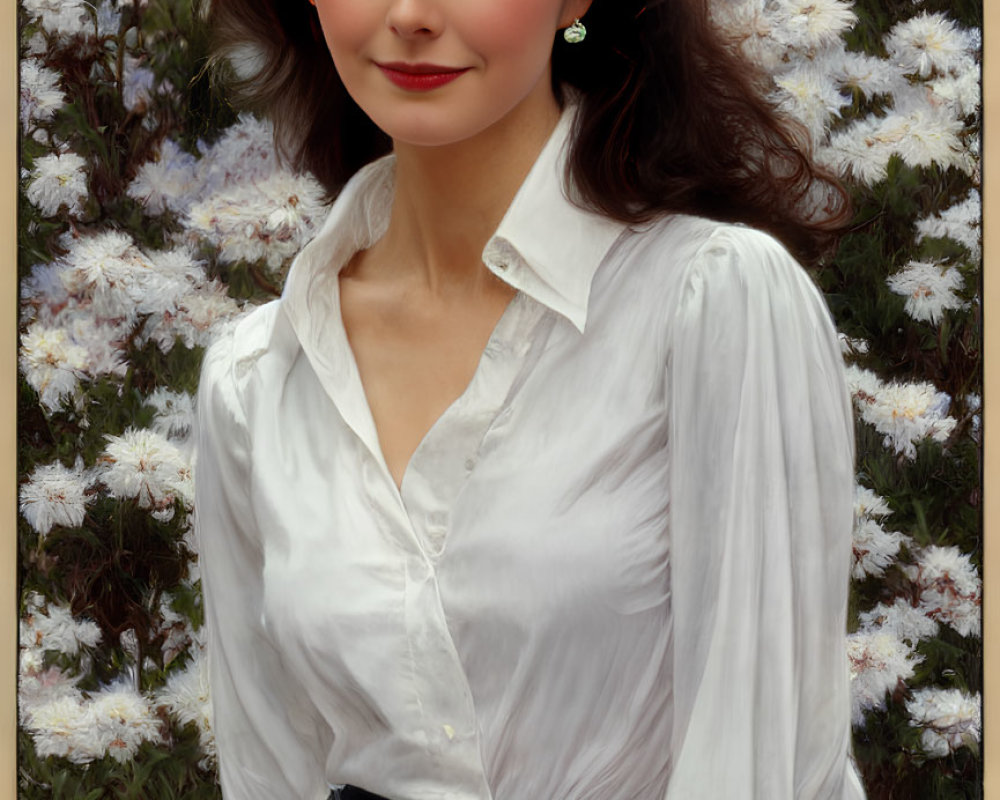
(617, 567)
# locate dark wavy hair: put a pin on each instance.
(673, 119)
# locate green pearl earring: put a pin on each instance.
(575, 33)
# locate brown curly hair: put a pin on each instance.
(673, 119)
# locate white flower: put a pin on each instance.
(920, 134)
(199, 314)
(879, 661)
(137, 85)
(55, 495)
(169, 181)
(60, 727)
(901, 619)
(268, 220)
(904, 412)
(869, 74)
(868, 504)
(120, 720)
(929, 42)
(174, 412)
(961, 222)
(810, 95)
(852, 347)
(929, 290)
(51, 626)
(874, 548)
(41, 95)
(951, 590)
(963, 92)
(58, 180)
(37, 686)
(61, 17)
(186, 696)
(810, 24)
(950, 719)
(144, 465)
(51, 363)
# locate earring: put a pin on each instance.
(575, 33)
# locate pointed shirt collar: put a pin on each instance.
(546, 246)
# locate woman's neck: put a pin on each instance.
(449, 199)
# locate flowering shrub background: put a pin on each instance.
(152, 215)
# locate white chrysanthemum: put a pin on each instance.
(243, 154)
(186, 696)
(873, 547)
(144, 465)
(174, 412)
(919, 135)
(879, 662)
(137, 85)
(868, 504)
(104, 341)
(198, 316)
(929, 42)
(107, 267)
(810, 96)
(37, 686)
(852, 347)
(58, 180)
(60, 727)
(858, 151)
(905, 413)
(963, 92)
(901, 619)
(51, 626)
(41, 95)
(869, 74)
(60, 17)
(170, 181)
(269, 220)
(927, 135)
(748, 24)
(961, 222)
(810, 24)
(55, 495)
(928, 288)
(950, 588)
(51, 363)
(120, 720)
(950, 719)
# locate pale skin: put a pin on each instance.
(419, 306)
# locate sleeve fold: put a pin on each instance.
(761, 504)
(265, 735)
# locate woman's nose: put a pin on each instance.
(415, 19)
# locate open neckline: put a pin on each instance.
(502, 330)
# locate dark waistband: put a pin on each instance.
(353, 793)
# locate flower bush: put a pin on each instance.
(152, 216)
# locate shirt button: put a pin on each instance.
(470, 464)
(502, 266)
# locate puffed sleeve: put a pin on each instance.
(760, 519)
(265, 735)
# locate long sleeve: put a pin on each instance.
(760, 518)
(267, 741)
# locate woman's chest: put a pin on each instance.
(539, 497)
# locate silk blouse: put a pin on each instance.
(617, 565)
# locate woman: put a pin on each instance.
(536, 482)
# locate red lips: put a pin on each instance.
(419, 77)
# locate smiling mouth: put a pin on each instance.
(419, 77)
